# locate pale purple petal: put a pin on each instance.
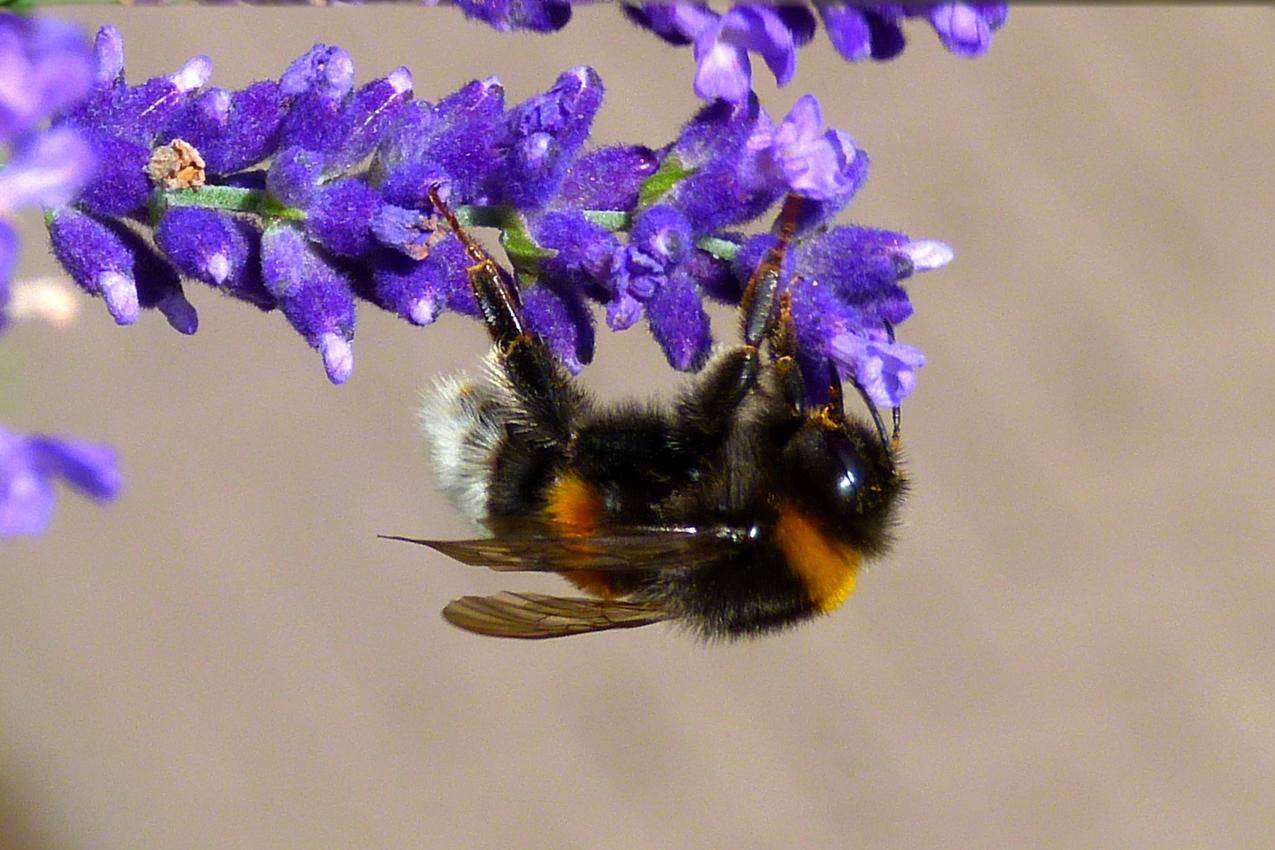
(48, 172)
(886, 370)
(761, 30)
(928, 254)
(961, 28)
(722, 69)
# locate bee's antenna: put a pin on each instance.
(876, 414)
(894, 412)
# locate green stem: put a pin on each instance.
(261, 202)
(229, 198)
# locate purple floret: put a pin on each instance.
(545, 133)
(313, 294)
(420, 290)
(232, 130)
(120, 185)
(560, 316)
(607, 178)
(217, 248)
(30, 464)
(466, 139)
(97, 261)
(679, 324)
(367, 115)
(509, 15)
(659, 241)
(295, 174)
(323, 70)
(340, 216)
(583, 251)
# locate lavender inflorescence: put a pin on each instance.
(308, 194)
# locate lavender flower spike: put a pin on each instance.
(30, 464)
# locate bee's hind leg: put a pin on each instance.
(540, 383)
(493, 288)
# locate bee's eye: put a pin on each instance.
(852, 472)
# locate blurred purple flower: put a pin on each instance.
(30, 464)
(722, 44)
(46, 170)
(875, 30)
(509, 15)
(966, 28)
(45, 67)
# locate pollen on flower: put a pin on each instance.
(176, 165)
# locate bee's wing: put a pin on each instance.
(531, 616)
(623, 549)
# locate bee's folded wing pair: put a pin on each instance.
(530, 615)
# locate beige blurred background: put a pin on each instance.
(1071, 647)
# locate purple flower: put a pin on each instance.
(679, 324)
(800, 157)
(862, 31)
(419, 290)
(216, 248)
(341, 215)
(546, 132)
(30, 464)
(966, 28)
(846, 296)
(313, 294)
(232, 130)
(559, 316)
(509, 15)
(607, 178)
(45, 67)
(108, 259)
(46, 170)
(722, 44)
(885, 370)
(859, 32)
(660, 240)
(97, 260)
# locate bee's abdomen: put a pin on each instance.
(748, 593)
(465, 421)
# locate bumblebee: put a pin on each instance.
(737, 510)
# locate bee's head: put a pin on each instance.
(841, 470)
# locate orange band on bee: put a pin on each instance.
(574, 509)
(827, 568)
